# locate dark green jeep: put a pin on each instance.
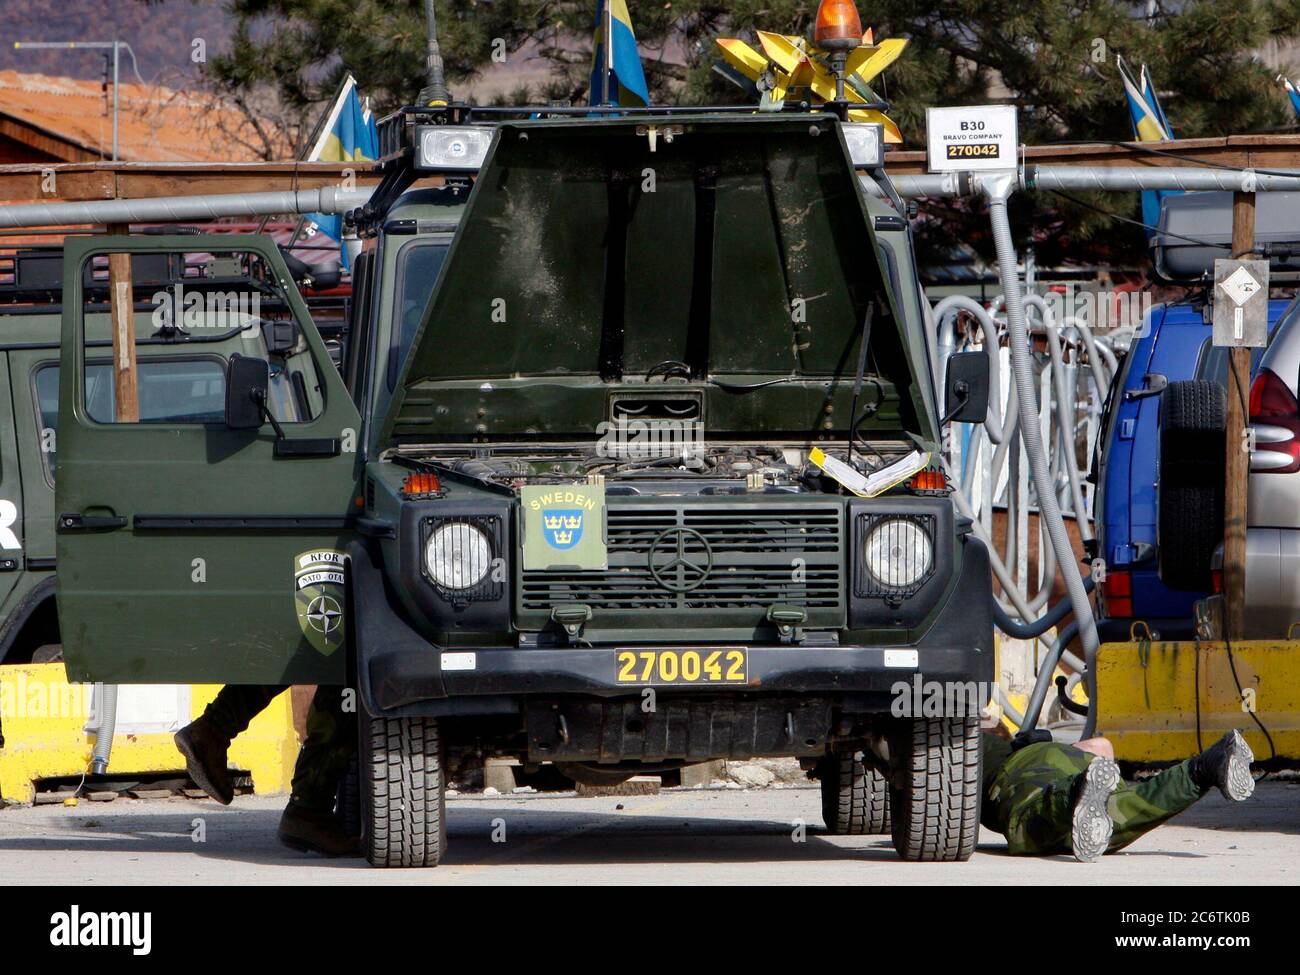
(579, 511)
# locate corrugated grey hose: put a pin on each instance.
(1022, 368)
(1065, 419)
(105, 725)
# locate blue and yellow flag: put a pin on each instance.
(348, 134)
(1149, 125)
(616, 74)
(1291, 93)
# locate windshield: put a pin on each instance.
(734, 249)
(418, 264)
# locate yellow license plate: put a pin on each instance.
(704, 665)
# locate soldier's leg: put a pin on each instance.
(1030, 800)
(205, 741)
(236, 705)
(308, 822)
(1138, 809)
(323, 759)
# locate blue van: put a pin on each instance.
(1174, 344)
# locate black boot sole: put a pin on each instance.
(1237, 783)
(1091, 827)
(197, 772)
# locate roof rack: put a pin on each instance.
(397, 130)
(33, 277)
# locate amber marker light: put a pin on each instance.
(838, 27)
(420, 484)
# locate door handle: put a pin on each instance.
(90, 523)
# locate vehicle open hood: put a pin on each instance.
(593, 252)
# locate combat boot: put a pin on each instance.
(310, 831)
(1225, 764)
(1091, 826)
(204, 749)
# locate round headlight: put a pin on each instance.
(898, 553)
(457, 556)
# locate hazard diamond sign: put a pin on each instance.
(1241, 303)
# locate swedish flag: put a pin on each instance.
(616, 74)
(1149, 125)
(348, 134)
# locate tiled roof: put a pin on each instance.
(156, 124)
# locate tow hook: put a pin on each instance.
(788, 620)
(572, 618)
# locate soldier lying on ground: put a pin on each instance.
(308, 822)
(1049, 798)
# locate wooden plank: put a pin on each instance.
(1237, 468)
(1243, 151)
(122, 302)
(104, 180)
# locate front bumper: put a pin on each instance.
(401, 674)
(399, 678)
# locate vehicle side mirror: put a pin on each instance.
(966, 398)
(248, 380)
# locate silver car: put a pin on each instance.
(1273, 509)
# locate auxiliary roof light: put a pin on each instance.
(838, 27)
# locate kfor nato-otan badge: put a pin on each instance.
(1241, 303)
(319, 580)
(564, 526)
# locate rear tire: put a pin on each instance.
(1193, 421)
(855, 798)
(402, 791)
(48, 653)
(934, 796)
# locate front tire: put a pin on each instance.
(347, 804)
(855, 798)
(402, 789)
(934, 796)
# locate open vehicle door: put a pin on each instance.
(203, 541)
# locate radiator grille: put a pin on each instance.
(761, 555)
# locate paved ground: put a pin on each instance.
(677, 837)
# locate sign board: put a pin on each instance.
(564, 526)
(973, 137)
(1241, 303)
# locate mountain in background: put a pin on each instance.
(161, 35)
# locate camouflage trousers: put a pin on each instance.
(331, 737)
(1028, 797)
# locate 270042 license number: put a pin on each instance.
(706, 665)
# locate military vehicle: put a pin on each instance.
(642, 484)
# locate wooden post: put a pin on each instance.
(1237, 469)
(122, 302)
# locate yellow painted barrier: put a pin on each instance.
(43, 718)
(1149, 692)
